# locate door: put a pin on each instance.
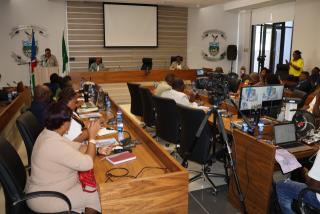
(270, 45)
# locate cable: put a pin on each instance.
(125, 173)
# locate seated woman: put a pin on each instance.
(69, 97)
(56, 162)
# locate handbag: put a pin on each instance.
(88, 181)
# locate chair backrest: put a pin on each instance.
(91, 60)
(12, 175)
(191, 119)
(167, 119)
(174, 58)
(29, 128)
(146, 64)
(136, 104)
(234, 84)
(148, 112)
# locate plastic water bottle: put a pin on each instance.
(260, 127)
(119, 125)
(9, 96)
(245, 127)
(108, 103)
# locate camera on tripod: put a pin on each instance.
(217, 86)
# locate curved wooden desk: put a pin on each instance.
(154, 191)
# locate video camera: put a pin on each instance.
(217, 86)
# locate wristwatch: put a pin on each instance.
(92, 141)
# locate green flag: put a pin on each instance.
(64, 54)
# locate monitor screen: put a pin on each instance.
(200, 72)
(284, 133)
(258, 97)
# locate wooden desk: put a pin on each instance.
(129, 76)
(255, 165)
(155, 191)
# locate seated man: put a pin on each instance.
(41, 101)
(48, 59)
(288, 190)
(176, 93)
(177, 64)
(165, 85)
(304, 83)
(97, 65)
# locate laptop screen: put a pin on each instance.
(284, 133)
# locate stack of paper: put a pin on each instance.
(287, 161)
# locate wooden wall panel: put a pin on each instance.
(86, 38)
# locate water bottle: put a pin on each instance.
(260, 127)
(108, 103)
(119, 125)
(9, 96)
(245, 127)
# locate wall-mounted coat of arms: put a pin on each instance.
(213, 39)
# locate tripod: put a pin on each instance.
(219, 121)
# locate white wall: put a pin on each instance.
(276, 13)
(306, 34)
(200, 20)
(44, 13)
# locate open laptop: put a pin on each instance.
(285, 137)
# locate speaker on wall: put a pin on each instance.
(232, 52)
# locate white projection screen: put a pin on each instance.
(130, 25)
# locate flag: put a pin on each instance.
(33, 53)
(33, 60)
(64, 54)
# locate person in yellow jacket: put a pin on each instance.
(296, 64)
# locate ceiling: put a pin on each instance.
(178, 3)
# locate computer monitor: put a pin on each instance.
(146, 64)
(200, 72)
(261, 100)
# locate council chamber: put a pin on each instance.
(160, 107)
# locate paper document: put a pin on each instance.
(287, 161)
(104, 142)
(90, 115)
(87, 110)
(74, 131)
(105, 131)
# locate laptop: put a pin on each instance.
(285, 137)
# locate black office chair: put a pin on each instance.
(148, 109)
(91, 60)
(174, 58)
(136, 104)
(167, 119)
(146, 64)
(13, 179)
(304, 207)
(234, 84)
(201, 153)
(232, 75)
(29, 128)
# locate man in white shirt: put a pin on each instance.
(176, 93)
(288, 190)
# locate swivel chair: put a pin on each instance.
(167, 120)
(201, 153)
(13, 179)
(91, 60)
(148, 110)
(136, 104)
(29, 128)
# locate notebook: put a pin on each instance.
(285, 137)
(121, 158)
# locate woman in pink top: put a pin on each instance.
(55, 164)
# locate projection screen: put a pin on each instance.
(130, 25)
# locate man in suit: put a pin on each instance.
(177, 64)
(97, 65)
(304, 83)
